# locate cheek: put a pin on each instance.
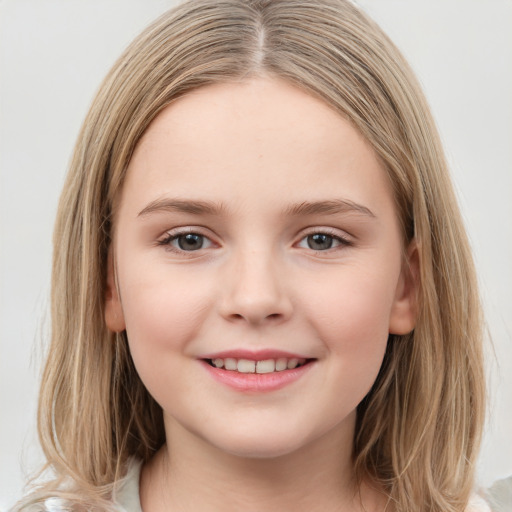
(163, 314)
(353, 326)
(351, 315)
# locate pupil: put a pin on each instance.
(190, 242)
(320, 241)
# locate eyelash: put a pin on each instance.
(342, 241)
(175, 235)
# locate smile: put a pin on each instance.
(261, 366)
(261, 372)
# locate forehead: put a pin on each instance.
(251, 143)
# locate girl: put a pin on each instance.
(263, 296)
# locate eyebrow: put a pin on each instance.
(327, 207)
(184, 206)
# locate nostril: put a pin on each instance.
(254, 309)
(272, 316)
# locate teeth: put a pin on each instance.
(246, 366)
(292, 363)
(281, 364)
(263, 366)
(230, 364)
(267, 366)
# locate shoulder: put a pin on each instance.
(477, 504)
(126, 493)
(499, 495)
(497, 498)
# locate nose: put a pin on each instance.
(254, 290)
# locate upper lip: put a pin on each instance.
(253, 355)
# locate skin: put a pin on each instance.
(257, 148)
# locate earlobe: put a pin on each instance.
(405, 306)
(114, 317)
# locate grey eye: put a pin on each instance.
(320, 241)
(189, 242)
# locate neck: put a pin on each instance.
(189, 474)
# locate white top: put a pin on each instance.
(126, 496)
(126, 493)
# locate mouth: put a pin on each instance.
(262, 366)
(257, 371)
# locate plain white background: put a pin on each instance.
(53, 55)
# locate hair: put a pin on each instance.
(418, 430)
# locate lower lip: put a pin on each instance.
(257, 382)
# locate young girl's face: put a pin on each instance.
(256, 231)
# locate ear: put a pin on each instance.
(405, 305)
(114, 317)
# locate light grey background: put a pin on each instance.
(53, 54)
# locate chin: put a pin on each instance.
(260, 443)
(256, 449)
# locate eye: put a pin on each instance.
(190, 242)
(322, 241)
(187, 242)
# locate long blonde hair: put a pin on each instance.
(418, 430)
